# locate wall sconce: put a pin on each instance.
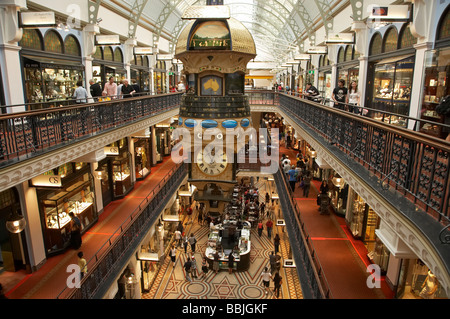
(338, 181)
(15, 223)
(313, 154)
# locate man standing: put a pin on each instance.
(339, 95)
(95, 89)
(110, 88)
(187, 269)
(269, 225)
(192, 242)
(127, 90)
(311, 92)
(292, 177)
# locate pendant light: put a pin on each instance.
(15, 223)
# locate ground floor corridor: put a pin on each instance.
(343, 259)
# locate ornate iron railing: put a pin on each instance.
(27, 134)
(412, 163)
(116, 251)
(309, 269)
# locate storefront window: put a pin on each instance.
(349, 53)
(108, 54)
(392, 88)
(341, 55)
(98, 53)
(142, 157)
(118, 56)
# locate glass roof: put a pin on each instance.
(275, 25)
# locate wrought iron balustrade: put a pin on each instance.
(104, 266)
(27, 134)
(412, 163)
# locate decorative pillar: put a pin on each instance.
(417, 83)
(362, 47)
(129, 55)
(10, 65)
(153, 141)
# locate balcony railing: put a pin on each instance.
(116, 251)
(414, 164)
(27, 134)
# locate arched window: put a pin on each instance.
(118, 56)
(407, 40)
(108, 54)
(375, 44)
(348, 53)
(71, 46)
(340, 56)
(444, 26)
(52, 42)
(390, 40)
(98, 53)
(31, 39)
(145, 61)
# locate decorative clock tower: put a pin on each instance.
(214, 49)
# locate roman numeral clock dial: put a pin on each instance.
(211, 163)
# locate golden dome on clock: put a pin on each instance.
(228, 34)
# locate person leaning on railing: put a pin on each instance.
(110, 88)
(80, 95)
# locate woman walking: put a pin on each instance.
(277, 284)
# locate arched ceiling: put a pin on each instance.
(279, 27)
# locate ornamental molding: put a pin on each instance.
(27, 169)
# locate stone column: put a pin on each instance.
(10, 65)
(129, 55)
(362, 47)
(89, 32)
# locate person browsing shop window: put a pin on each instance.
(353, 98)
(339, 95)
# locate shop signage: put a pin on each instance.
(46, 181)
(165, 57)
(143, 50)
(289, 263)
(33, 19)
(317, 50)
(390, 12)
(107, 39)
(206, 12)
(302, 57)
(340, 38)
(111, 150)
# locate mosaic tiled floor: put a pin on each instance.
(171, 282)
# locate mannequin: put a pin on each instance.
(429, 286)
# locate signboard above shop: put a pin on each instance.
(46, 181)
(389, 12)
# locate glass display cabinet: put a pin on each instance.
(121, 176)
(77, 198)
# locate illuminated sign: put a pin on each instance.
(107, 39)
(390, 12)
(340, 38)
(317, 50)
(143, 50)
(46, 181)
(111, 150)
(29, 19)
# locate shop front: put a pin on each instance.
(116, 171)
(159, 77)
(149, 258)
(348, 65)
(390, 74)
(108, 62)
(436, 86)
(64, 190)
(142, 157)
(51, 65)
(140, 73)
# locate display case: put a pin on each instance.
(356, 218)
(56, 206)
(121, 176)
(392, 90)
(372, 223)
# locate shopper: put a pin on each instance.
(230, 262)
(353, 98)
(75, 231)
(306, 183)
(216, 262)
(311, 92)
(80, 94)
(266, 277)
(187, 268)
(82, 264)
(173, 254)
(178, 237)
(205, 267)
(127, 89)
(192, 241)
(193, 267)
(276, 243)
(272, 262)
(185, 242)
(269, 226)
(260, 228)
(339, 95)
(277, 281)
(292, 173)
(324, 187)
(110, 88)
(96, 89)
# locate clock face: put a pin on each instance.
(212, 163)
